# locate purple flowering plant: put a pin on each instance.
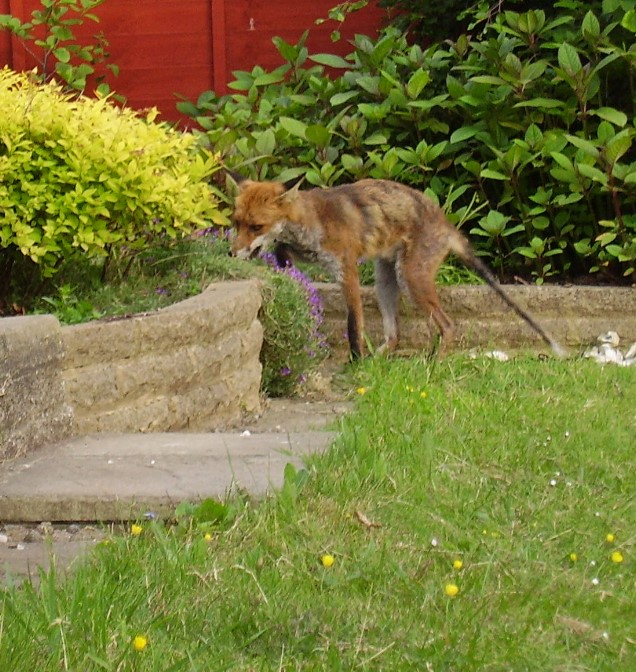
(293, 345)
(291, 315)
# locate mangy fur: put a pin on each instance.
(405, 232)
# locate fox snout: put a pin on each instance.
(245, 253)
(245, 249)
(250, 239)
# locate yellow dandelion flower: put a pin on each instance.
(573, 557)
(136, 530)
(208, 537)
(451, 589)
(327, 560)
(140, 643)
(423, 394)
(361, 390)
(617, 557)
(610, 538)
(457, 564)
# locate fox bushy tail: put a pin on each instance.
(463, 249)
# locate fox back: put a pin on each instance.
(370, 218)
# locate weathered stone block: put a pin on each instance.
(180, 370)
(33, 408)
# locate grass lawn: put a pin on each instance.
(472, 515)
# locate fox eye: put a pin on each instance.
(255, 228)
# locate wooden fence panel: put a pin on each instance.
(251, 24)
(168, 50)
(5, 37)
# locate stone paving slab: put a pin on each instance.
(119, 477)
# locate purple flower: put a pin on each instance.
(285, 371)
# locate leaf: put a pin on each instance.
(269, 78)
(376, 139)
(419, 79)
(585, 145)
(288, 51)
(616, 251)
(606, 238)
(345, 96)
(540, 223)
(464, 133)
(533, 135)
(330, 60)
(210, 511)
(266, 142)
(617, 146)
(488, 79)
(428, 103)
(455, 87)
(592, 173)
(294, 126)
(605, 132)
(532, 71)
(369, 84)
(371, 111)
(590, 27)
(318, 135)
(62, 54)
(351, 164)
(569, 60)
(629, 21)
(612, 115)
(492, 174)
(562, 160)
(494, 223)
(547, 103)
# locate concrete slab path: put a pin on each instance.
(120, 477)
(115, 477)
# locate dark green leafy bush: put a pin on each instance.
(82, 179)
(435, 21)
(525, 136)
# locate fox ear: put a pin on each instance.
(240, 180)
(294, 184)
(292, 187)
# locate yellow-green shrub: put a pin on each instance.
(80, 176)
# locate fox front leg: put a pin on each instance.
(355, 318)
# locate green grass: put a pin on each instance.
(509, 467)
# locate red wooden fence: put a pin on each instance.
(167, 50)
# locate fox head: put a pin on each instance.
(261, 210)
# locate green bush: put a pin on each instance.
(525, 134)
(82, 178)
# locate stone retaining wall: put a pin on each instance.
(192, 366)
(196, 365)
(33, 407)
(574, 315)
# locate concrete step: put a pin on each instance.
(120, 477)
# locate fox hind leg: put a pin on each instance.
(417, 268)
(387, 290)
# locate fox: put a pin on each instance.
(404, 231)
